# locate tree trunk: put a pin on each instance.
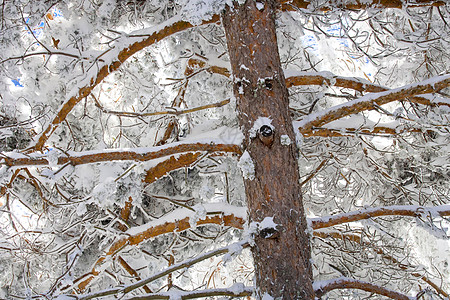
(281, 256)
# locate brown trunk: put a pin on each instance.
(282, 258)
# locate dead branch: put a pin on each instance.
(104, 71)
(349, 283)
(137, 154)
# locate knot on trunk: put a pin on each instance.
(266, 135)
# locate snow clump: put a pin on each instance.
(196, 11)
(285, 140)
(246, 165)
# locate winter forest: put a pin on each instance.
(224, 149)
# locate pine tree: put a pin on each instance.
(142, 139)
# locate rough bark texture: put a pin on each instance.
(282, 258)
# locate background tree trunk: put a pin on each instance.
(282, 258)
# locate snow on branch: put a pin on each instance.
(51, 158)
(378, 130)
(170, 164)
(292, 5)
(370, 101)
(298, 78)
(124, 49)
(167, 271)
(176, 221)
(236, 290)
(357, 238)
(394, 210)
(323, 287)
(173, 111)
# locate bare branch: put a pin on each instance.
(379, 130)
(327, 78)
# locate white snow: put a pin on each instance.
(182, 213)
(253, 132)
(285, 140)
(246, 165)
(267, 223)
(267, 297)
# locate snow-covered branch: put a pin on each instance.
(173, 111)
(176, 221)
(138, 154)
(236, 290)
(323, 287)
(297, 78)
(370, 101)
(395, 210)
(402, 265)
(185, 264)
(170, 164)
(325, 6)
(125, 47)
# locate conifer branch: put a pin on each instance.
(395, 210)
(359, 240)
(324, 287)
(371, 101)
(220, 218)
(290, 5)
(13, 159)
(169, 28)
(173, 163)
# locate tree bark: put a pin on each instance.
(281, 256)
